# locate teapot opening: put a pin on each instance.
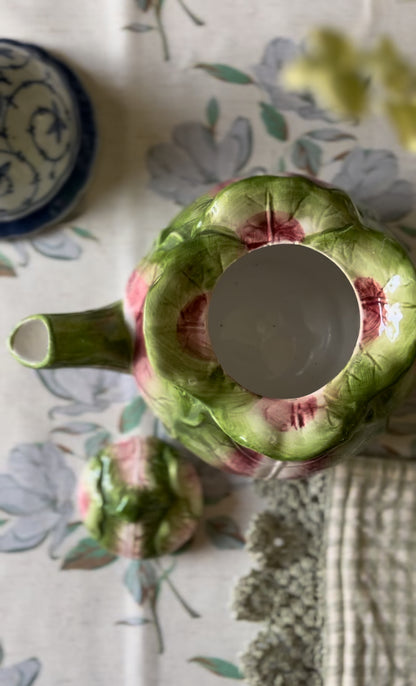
(284, 320)
(30, 342)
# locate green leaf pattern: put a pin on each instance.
(157, 7)
(137, 27)
(223, 532)
(213, 112)
(219, 667)
(132, 415)
(274, 122)
(224, 72)
(307, 156)
(6, 266)
(96, 442)
(88, 555)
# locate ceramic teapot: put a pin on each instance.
(270, 329)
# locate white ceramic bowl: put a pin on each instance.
(47, 138)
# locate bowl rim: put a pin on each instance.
(68, 194)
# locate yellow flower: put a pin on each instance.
(403, 118)
(352, 82)
(332, 70)
(394, 73)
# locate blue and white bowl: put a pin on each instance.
(47, 138)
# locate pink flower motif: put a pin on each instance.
(286, 415)
(192, 327)
(373, 302)
(83, 500)
(247, 462)
(131, 456)
(136, 291)
(269, 227)
(244, 461)
(142, 369)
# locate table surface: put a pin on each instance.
(169, 129)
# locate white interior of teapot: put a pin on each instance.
(30, 341)
(284, 320)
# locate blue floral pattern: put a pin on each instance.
(276, 55)
(194, 162)
(38, 493)
(370, 177)
(22, 673)
(87, 390)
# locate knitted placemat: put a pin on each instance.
(335, 580)
(284, 591)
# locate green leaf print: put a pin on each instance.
(134, 621)
(224, 72)
(218, 666)
(329, 135)
(6, 266)
(274, 121)
(281, 165)
(76, 428)
(71, 528)
(97, 442)
(213, 112)
(144, 5)
(141, 580)
(307, 155)
(84, 233)
(190, 14)
(87, 554)
(136, 27)
(224, 532)
(132, 414)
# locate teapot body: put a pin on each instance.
(170, 299)
(326, 322)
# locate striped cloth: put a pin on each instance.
(370, 574)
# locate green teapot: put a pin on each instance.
(270, 329)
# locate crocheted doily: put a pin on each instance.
(284, 590)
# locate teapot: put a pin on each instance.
(271, 329)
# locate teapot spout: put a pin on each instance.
(96, 338)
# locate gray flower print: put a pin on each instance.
(37, 491)
(21, 674)
(195, 162)
(277, 54)
(57, 244)
(87, 390)
(370, 178)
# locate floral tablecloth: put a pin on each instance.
(186, 96)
